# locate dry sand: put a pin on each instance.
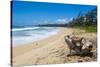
(51, 50)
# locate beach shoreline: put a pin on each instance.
(50, 50)
(22, 36)
(42, 41)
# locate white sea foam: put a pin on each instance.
(28, 35)
(21, 29)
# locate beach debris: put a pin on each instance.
(78, 45)
(80, 60)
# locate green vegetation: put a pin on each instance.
(86, 21)
(90, 29)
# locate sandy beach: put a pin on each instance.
(51, 50)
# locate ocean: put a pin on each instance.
(25, 35)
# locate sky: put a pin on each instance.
(33, 13)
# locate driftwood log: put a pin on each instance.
(78, 45)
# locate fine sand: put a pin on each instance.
(51, 50)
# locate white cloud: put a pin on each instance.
(71, 19)
(61, 20)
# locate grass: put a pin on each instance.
(90, 29)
